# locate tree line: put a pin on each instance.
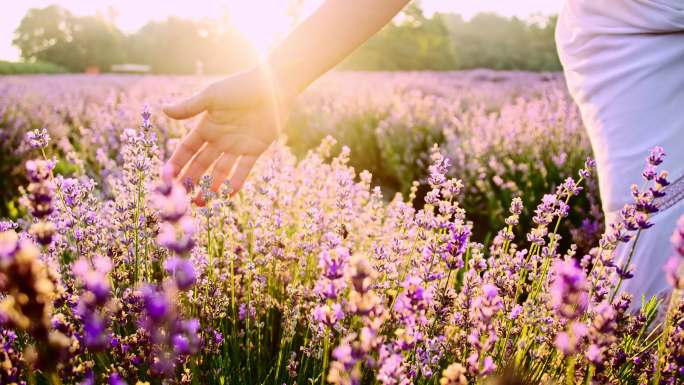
(172, 46)
(414, 41)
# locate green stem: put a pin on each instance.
(326, 347)
(570, 371)
(589, 375)
(663, 338)
(625, 266)
(136, 217)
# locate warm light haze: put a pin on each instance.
(262, 21)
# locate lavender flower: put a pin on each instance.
(569, 292)
(567, 342)
(601, 333)
(656, 157)
(29, 292)
(39, 199)
(182, 271)
(177, 231)
(39, 138)
(173, 338)
(483, 336)
(456, 247)
(92, 301)
(115, 379)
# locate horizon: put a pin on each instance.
(278, 16)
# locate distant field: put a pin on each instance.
(495, 126)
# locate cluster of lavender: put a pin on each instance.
(508, 135)
(311, 275)
(39, 199)
(29, 292)
(497, 127)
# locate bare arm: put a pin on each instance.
(336, 29)
(244, 111)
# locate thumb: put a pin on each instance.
(189, 107)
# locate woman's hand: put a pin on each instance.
(242, 116)
(243, 113)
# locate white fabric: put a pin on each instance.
(624, 65)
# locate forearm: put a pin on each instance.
(326, 37)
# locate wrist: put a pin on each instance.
(290, 75)
(268, 85)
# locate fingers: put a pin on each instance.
(242, 171)
(185, 151)
(189, 107)
(200, 163)
(221, 171)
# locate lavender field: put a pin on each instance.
(408, 228)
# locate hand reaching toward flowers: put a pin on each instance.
(240, 122)
(244, 112)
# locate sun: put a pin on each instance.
(263, 22)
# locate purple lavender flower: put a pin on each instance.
(91, 303)
(601, 333)
(589, 165)
(515, 312)
(156, 303)
(329, 315)
(333, 262)
(483, 335)
(187, 340)
(179, 238)
(456, 247)
(39, 199)
(7, 225)
(38, 138)
(182, 271)
(569, 291)
(392, 369)
(115, 379)
(656, 156)
(567, 342)
(89, 378)
(171, 200)
(413, 302)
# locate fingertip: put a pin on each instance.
(171, 110)
(217, 184)
(235, 188)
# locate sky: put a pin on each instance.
(248, 15)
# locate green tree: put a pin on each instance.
(413, 42)
(45, 34)
(445, 41)
(97, 42)
(53, 34)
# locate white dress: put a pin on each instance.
(624, 65)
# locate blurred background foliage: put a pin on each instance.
(448, 42)
(414, 41)
(12, 68)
